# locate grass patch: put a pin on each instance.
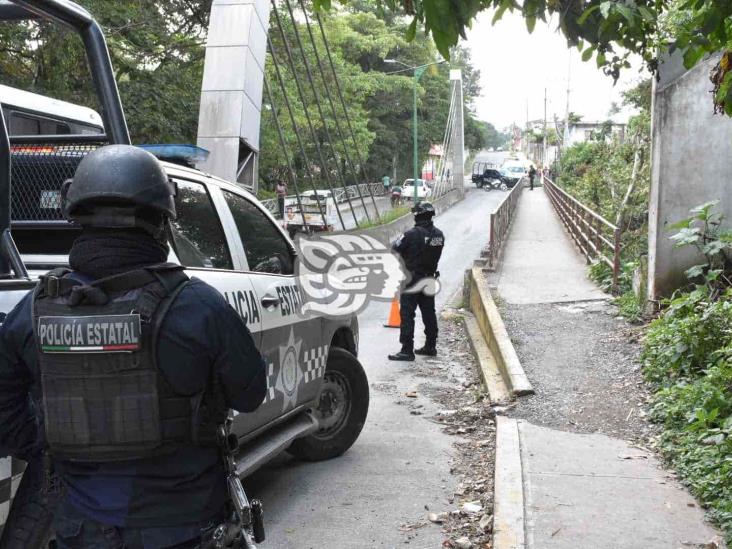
(388, 217)
(629, 306)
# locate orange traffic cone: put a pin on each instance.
(395, 320)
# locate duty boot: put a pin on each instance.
(405, 355)
(427, 350)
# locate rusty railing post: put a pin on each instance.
(492, 241)
(616, 259)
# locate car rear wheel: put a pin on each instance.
(341, 410)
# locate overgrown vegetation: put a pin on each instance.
(387, 217)
(611, 175)
(687, 358)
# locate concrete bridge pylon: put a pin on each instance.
(231, 91)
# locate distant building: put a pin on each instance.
(585, 130)
(432, 164)
(581, 131)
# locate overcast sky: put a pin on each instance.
(515, 67)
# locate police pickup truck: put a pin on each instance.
(317, 392)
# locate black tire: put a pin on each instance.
(341, 420)
(29, 523)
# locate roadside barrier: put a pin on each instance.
(500, 221)
(395, 319)
(595, 236)
(340, 194)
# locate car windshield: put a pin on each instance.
(515, 169)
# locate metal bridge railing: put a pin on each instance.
(341, 194)
(500, 221)
(596, 237)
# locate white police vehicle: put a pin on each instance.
(317, 391)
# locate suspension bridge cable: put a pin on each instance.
(323, 164)
(283, 143)
(296, 130)
(328, 138)
(446, 140)
(345, 109)
(354, 171)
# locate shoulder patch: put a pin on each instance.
(89, 334)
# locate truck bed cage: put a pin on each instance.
(40, 164)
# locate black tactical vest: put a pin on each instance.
(104, 398)
(431, 243)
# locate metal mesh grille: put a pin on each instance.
(38, 171)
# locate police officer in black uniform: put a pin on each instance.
(420, 248)
(133, 366)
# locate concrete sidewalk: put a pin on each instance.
(590, 490)
(540, 264)
(557, 489)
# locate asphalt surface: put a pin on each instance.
(399, 467)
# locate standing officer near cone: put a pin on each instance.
(132, 365)
(420, 248)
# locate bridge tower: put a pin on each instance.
(231, 92)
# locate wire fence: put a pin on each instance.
(39, 169)
(595, 236)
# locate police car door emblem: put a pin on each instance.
(288, 381)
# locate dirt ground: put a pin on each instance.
(451, 381)
(583, 361)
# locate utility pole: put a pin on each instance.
(543, 148)
(527, 143)
(565, 137)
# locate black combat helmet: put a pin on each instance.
(119, 186)
(423, 209)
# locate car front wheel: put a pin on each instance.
(341, 409)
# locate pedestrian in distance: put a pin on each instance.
(121, 370)
(532, 175)
(387, 183)
(281, 191)
(420, 248)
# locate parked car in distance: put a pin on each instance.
(423, 190)
(489, 179)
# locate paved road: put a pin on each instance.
(400, 464)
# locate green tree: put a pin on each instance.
(157, 54)
(608, 30)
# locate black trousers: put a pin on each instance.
(408, 307)
(281, 206)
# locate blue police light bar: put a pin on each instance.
(186, 155)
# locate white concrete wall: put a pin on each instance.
(691, 165)
(233, 76)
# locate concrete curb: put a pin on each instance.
(498, 393)
(494, 332)
(508, 488)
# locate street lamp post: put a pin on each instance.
(418, 72)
